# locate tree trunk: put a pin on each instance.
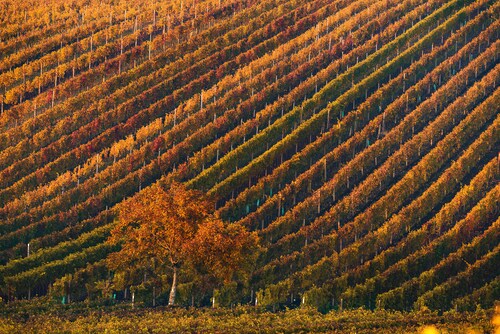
(171, 299)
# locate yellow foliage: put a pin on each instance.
(472, 331)
(149, 130)
(122, 146)
(429, 330)
(496, 320)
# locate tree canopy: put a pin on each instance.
(174, 231)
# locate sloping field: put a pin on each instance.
(358, 137)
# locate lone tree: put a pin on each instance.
(176, 229)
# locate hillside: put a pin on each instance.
(359, 138)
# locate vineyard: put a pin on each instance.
(359, 139)
(244, 320)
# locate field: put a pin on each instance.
(357, 138)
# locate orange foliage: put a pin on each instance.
(176, 228)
